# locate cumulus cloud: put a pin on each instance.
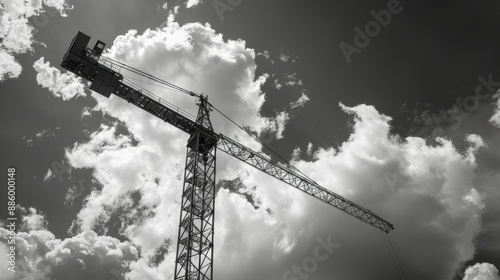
(203, 55)
(63, 85)
(300, 102)
(481, 271)
(16, 33)
(42, 256)
(87, 254)
(435, 192)
(193, 3)
(456, 124)
(32, 219)
(9, 67)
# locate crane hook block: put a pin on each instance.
(84, 62)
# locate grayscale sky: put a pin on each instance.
(391, 104)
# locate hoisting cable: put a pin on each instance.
(399, 269)
(257, 139)
(152, 84)
(149, 76)
(396, 255)
(146, 75)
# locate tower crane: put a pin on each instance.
(195, 247)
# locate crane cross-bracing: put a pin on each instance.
(194, 259)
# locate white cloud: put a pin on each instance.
(48, 175)
(265, 54)
(277, 85)
(495, 119)
(437, 191)
(60, 5)
(32, 219)
(284, 58)
(193, 3)
(300, 102)
(9, 67)
(63, 85)
(247, 238)
(481, 271)
(295, 155)
(287, 58)
(41, 133)
(282, 119)
(202, 55)
(309, 151)
(86, 112)
(41, 256)
(486, 174)
(292, 80)
(16, 33)
(72, 193)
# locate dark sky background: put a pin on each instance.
(427, 59)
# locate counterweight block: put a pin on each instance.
(83, 62)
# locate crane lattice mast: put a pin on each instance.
(195, 247)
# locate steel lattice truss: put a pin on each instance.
(196, 224)
(306, 185)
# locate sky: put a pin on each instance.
(391, 104)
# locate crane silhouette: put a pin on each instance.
(195, 248)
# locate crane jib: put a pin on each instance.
(306, 185)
